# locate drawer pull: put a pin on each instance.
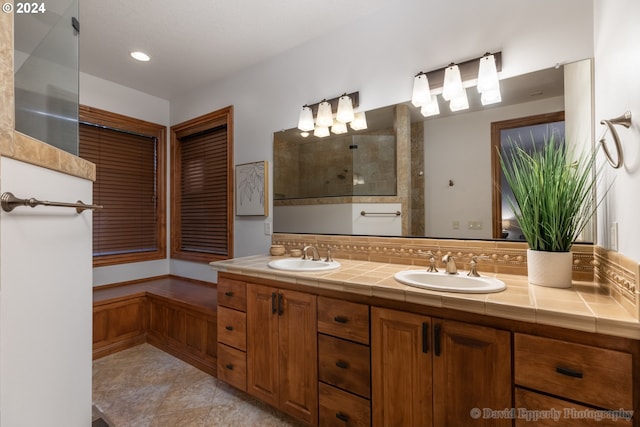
(228, 293)
(341, 319)
(342, 364)
(342, 417)
(229, 366)
(229, 328)
(568, 372)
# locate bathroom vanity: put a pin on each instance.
(354, 347)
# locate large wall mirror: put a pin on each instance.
(406, 175)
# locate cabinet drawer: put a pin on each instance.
(343, 319)
(232, 328)
(565, 413)
(344, 364)
(232, 366)
(232, 294)
(591, 375)
(339, 408)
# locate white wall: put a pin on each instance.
(617, 89)
(45, 309)
(382, 54)
(457, 148)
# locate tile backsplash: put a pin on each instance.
(615, 272)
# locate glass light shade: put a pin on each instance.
(345, 109)
(339, 128)
(325, 115)
(305, 122)
(421, 91)
(487, 74)
(430, 108)
(321, 131)
(459, 103)
(452, 87)
(359, 121)
(490, 97)
(304, 134)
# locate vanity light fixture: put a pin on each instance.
(452, 80)
(325, 119)
(305, 122)
(452, 87)
(325, 115)
(421, 91)
(321, 131)
(359, 122)
(488, 82)
(140, 56)
(339, 127)
(344, 114)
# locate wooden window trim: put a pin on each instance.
(118, 121)
(496, 128)
(217, 118)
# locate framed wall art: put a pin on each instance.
(252, 189)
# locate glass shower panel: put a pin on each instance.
(46, 73)
(374, 165)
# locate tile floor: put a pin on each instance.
(146, 387)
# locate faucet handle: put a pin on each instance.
(432, 261)
(329, 257)
(473, 270)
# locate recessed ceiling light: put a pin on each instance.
(140, 56)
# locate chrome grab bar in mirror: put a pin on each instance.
(9, 202)
(623, 120)
(396, 213)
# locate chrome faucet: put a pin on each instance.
(314, 252)
(450, 264)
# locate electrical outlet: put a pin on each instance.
(475, 225)
(613, 237)
(267, 229)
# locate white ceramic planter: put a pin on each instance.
(551, 269)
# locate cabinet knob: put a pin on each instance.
(229, 328)
(229, 366)
(229, 293)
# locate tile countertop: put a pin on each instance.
(582, 307)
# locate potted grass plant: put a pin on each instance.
(553, 189)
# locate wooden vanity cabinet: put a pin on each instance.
(282, 350)
(232, 332)
(433, 372)
(344, 363)
(597, 377)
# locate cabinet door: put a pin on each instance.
(401, 369)
(471, 369)
(298, 363)
(262, 343)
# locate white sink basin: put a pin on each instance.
(450, 282)
(299, 264)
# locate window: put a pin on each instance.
(130, 185)
(201, 188)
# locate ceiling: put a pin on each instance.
(193, 43)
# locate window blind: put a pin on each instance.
(203, 192)
(126, 168)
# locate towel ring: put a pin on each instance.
(623, 120)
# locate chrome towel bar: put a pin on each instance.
(9, 202)
(396, 213)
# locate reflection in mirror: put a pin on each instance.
(443, 167)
